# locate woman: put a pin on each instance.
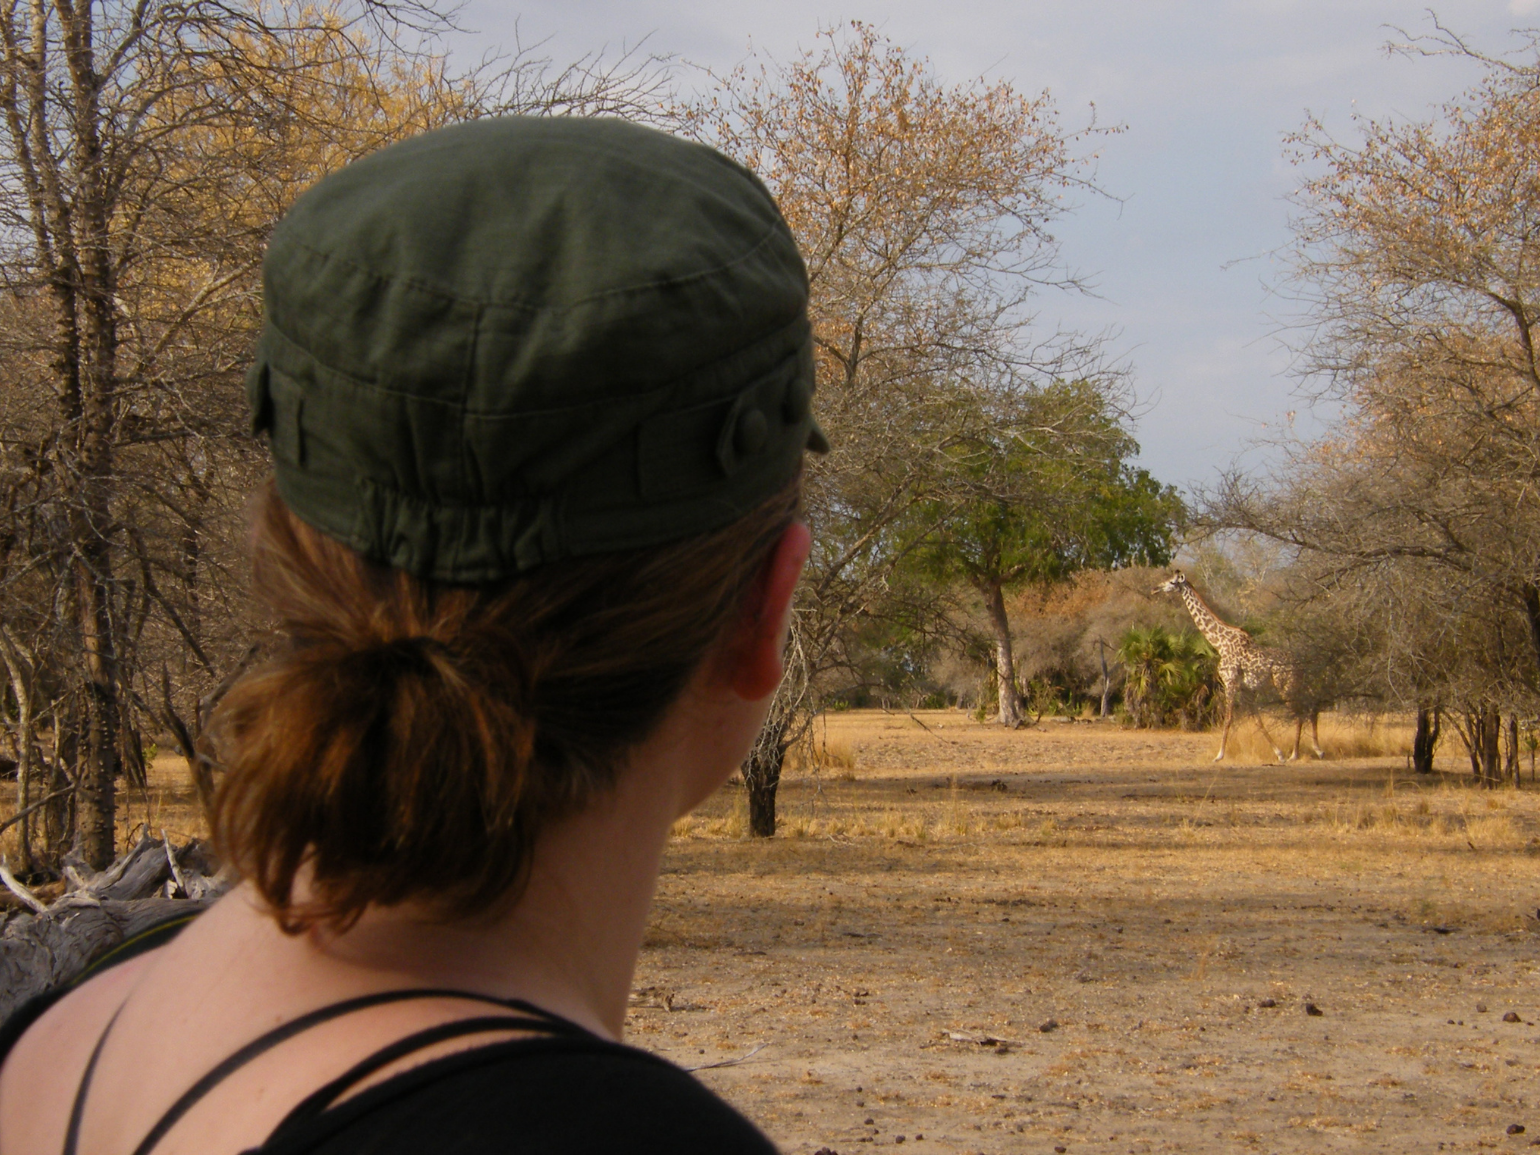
(537, 393)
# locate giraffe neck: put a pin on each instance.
(1205, 619)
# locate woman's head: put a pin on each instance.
(537, 394)
(413, 738)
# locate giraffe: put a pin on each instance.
(1244, 665)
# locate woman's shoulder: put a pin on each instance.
(140, 942)
(561, 1096)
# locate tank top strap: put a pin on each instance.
(324, 1097)
(78, 1106)
(264, 1043)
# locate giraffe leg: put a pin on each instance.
(1224, 736)
(1262, 725)
(1315, 733)
(1286, 682)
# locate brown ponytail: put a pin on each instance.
(412, 739)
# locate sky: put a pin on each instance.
(1183, 252)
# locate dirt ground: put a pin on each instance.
(1079, 938)
(1082, 938)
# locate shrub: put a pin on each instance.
(1172, 678)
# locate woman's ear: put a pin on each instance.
(753, 654)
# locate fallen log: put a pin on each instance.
(153, 882)
(41, 951)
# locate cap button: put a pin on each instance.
(752, 433)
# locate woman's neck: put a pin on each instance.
(570, 942)
(568, 945)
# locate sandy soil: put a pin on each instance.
(1080, 938)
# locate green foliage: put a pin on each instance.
(1050, 492)
(1172, 678)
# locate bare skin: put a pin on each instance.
(569, 945)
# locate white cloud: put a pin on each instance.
(1523, 7)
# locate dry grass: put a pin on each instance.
(846, 750)
(1341, 736)
(951, 885)
(1455, 822)
(169, 804)
(942, 890)
(818, 754)
(850, 793)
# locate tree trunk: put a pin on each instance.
(58, 815)
(1101, 650)
(26, 741)
(762, 774)
(1486, 728)
(761, 778)
(96, 801)
(26, 746)
(1469, 734)
(1005, 662)
(1511, 750)
(96, 836)
(1425, 743)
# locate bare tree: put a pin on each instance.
(1417, 258)
(146, 149)
(923, 212)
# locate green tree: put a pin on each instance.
(1049, 491)
(923, 210)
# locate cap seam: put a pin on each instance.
(466, 412)
(519, 502)
(513, 303)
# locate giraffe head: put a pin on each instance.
(1178, 580)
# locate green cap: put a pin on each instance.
(518, 340)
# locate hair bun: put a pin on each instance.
(418, 647)
(418, 736)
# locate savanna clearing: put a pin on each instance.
(902, 951)
(1084, 938)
